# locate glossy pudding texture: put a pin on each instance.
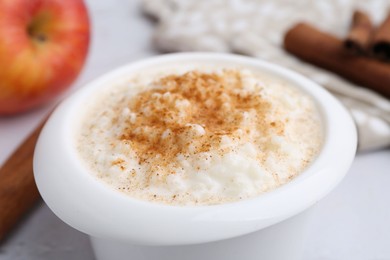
(198, 136)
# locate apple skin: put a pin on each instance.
(43, 47)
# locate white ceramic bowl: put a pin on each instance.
(145, 230)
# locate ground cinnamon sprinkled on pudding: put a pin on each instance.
(189, 114)
(200, 136)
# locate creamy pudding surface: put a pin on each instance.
(198, 135)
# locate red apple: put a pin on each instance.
(43, 46)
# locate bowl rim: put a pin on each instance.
(92, 207)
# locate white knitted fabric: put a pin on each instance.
(257, 28)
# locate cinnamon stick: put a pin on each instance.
(326, 51)
(18, 192)
(381, 40)
(359, 36)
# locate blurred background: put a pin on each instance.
(353, 222)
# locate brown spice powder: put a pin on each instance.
(165, 116)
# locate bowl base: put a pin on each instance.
(282, 241)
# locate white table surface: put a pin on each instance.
(353, 222)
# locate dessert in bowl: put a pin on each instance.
(192, 153)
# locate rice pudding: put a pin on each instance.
(197, 135)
